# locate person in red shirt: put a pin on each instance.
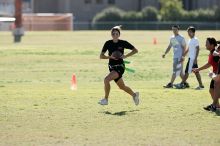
(213, 61)
(217, 76)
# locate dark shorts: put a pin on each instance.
(120, 69)
(212, 84)
(190, 66)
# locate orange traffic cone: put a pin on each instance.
(73, 83)
(154, 41)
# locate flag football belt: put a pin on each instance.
(118, 65)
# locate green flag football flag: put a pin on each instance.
(128, 69)
(126, 62)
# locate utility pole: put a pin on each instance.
(19, 30)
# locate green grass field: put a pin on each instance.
(37, 107)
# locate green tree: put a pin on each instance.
(109, 14)
(171, 10)
(150, 13)
(132, 16)
(217, 14)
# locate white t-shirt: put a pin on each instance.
(192, 44)
(177, 42)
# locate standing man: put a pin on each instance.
(193, 50)
(177, 42)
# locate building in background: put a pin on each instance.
(200, 4)
(85, 10)
(32, 21)
(27, 6)
(7, 7)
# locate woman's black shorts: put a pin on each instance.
(212, 84)
(120, 69)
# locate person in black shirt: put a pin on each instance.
(116, 65)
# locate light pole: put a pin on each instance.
(19, 30)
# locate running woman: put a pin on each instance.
(212, 61)
(193, 50)
(178, 43)
(116, 66)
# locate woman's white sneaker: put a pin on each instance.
(104, 101)
(136, 98)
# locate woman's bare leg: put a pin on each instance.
(111, 76)
(125, 88)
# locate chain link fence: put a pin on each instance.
(145, 25)
(46, 25)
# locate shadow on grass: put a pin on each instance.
(217, 113)
(121, 113)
